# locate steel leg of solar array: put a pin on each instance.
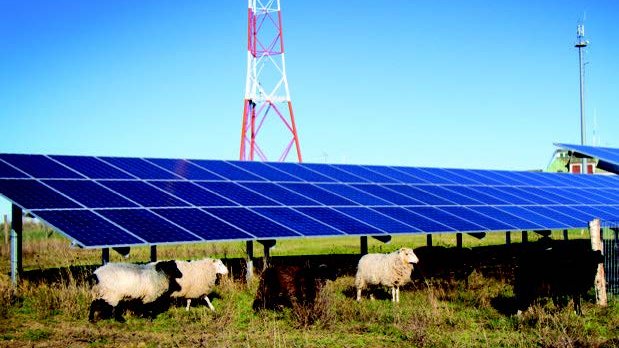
(565, 237)
(508, 238)
(105, 255)
(364, 245)
(459, 240)
(153, 253)
(429, 239)
(525, 237)
(249, 261)
(16, 243)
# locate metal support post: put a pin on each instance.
(508, 238)
(6, 229)
(267, 244)
(565, 236)
(459, 240)
(16, 243)
(249, 260)
(364, 245)
(525, 237)
(153, 253)
(429, 239)
(105, 256)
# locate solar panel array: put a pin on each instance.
(605, 153)
(114, 201)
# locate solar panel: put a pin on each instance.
(113, 201)
(607, 154)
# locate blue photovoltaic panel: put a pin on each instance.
(541, 220)
(449, 195)
(607, 154)
(39, 166)
(247, 220)
(497, 192)
(334, 173)
(388, 193)
(546, 192)
(488, 223)
(422, 196)
(30, 194)
(579, 196)
(568, 220)
(192, 193)
(87, 228)
(425, 175)
(143, 194)
(477, 175)
(340, 221)
(148, 226)
(185, 169)
(528, 195)
(474, 193)
(509, 218)
(140, 168)
(279, 194)
(501, 176)
(92, 167)
(527, 179)
(354, 194)
(410, 218)
(365, 173)
(610, 194)
(8, 172)
(302, 224)
(551, 179)
(377, 220)
(572, 211)
(452, 176)
(318, 194)
(89, 193)
(396, 174)
(238, 194)
(265, 171)
(227, 170)
(455, 222)
(605, 213)
(202, 224)
(301, 172)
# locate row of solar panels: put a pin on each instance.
(119, 168)
(607, 154)
(127, 201)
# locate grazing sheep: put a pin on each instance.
(290, 286)
(119, 283)
(198, 279)
(392, 270)
(557, 271)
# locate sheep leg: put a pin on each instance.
(397, 294)
(188, 304)
(359, 294)
(210, 305)
(118, 313)
(393, 296)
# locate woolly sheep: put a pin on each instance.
(198, 279)
(392, 270)
(117, 283)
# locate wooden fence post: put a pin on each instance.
(596, 244)
(6, 229)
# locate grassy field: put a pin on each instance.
(430, 314)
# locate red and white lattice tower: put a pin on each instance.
(267, 109)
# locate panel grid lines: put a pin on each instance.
(145, 201)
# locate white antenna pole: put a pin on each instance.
(581, 43)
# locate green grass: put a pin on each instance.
(429, 315)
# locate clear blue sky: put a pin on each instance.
(475, 84)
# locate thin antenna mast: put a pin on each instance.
(581, 43)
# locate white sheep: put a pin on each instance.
(116, 283)
(198, 279)
(392, 270)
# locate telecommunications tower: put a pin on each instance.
(267, 109)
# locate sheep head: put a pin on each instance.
(408, 256)
(220, 268)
